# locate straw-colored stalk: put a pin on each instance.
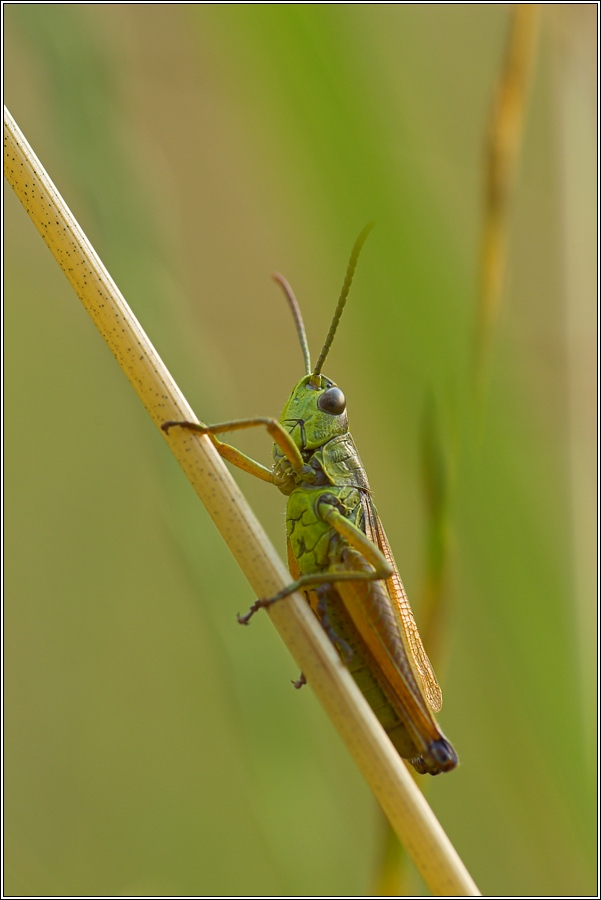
(403, 803)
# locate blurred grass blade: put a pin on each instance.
(505, 137)
(412, 818)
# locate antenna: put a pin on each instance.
(298, 319)
(348, 278)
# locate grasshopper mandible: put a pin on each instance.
(338, 553)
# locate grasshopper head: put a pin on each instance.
(316, 409)
(315, 412)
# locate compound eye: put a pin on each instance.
(332, 401)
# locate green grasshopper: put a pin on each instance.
(338, 553)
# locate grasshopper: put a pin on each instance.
(338, 553)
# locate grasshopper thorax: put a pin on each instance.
(315, 412)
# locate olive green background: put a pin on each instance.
(151, 745)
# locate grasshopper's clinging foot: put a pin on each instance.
(257, 605)
(190, 426)
(268, 601)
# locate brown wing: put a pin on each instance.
(423, 666)
(364, 615)
(387, 657)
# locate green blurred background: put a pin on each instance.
(151, 745)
